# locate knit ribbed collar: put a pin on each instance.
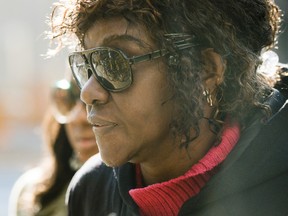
(166, 198)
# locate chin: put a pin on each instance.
(112, 161)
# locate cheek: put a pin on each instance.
(151, 92)
(151, 84)
(149, 113)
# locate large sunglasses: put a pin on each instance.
(65, 98)
(112, 68)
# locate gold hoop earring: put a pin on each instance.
(208, 97)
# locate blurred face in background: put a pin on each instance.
(70, 110)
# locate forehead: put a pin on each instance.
(116, 29)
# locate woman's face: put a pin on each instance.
(80, 133)
(131, 125)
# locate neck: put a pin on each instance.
(179, 159)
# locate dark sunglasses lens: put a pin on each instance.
(112, 69)
(80, 73)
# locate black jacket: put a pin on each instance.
(252, 181)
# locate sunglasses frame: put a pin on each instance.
(184, 42)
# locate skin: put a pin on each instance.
(133, 125)
(80, 134)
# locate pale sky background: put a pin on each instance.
(25, 78)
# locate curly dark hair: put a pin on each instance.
(238, 30)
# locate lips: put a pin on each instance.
(103, 124)
(100, 125)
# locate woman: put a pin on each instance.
(176, 95)
(70, 142)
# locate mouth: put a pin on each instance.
(100, 130)
(100, 125)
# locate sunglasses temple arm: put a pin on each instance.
(185, 46)
(149, 56)
(158, 53)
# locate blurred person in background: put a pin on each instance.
(70, 142)
(181, 105)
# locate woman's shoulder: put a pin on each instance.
(26, 181)
(30, 175)
(22, 193)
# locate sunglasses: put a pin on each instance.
(65, 98)
(112, 68)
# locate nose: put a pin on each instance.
(92, 92)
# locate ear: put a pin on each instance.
(214, 68)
